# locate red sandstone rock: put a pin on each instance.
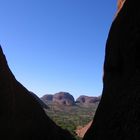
(80, 131)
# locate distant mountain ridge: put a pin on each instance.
(70, 113)
(65, 98)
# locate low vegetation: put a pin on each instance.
(71, 117)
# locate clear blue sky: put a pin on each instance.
(56, 45)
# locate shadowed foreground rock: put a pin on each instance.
(21, 115)
(118, 114)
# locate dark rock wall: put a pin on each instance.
(21, 115)
(43, 105)
(118, 114)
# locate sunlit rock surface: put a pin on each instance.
(120, 5)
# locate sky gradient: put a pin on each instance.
(56, 45)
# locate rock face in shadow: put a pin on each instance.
(118, 113)
(21, 115)
(43, 105)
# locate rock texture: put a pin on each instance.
(86, 100)
(21, 115)
(63, 98)
(120, 5)
(118, 114)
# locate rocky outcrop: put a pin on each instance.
(118, 114)
(21, 115)
(60, 98)
(86, 100)
(63, 98)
